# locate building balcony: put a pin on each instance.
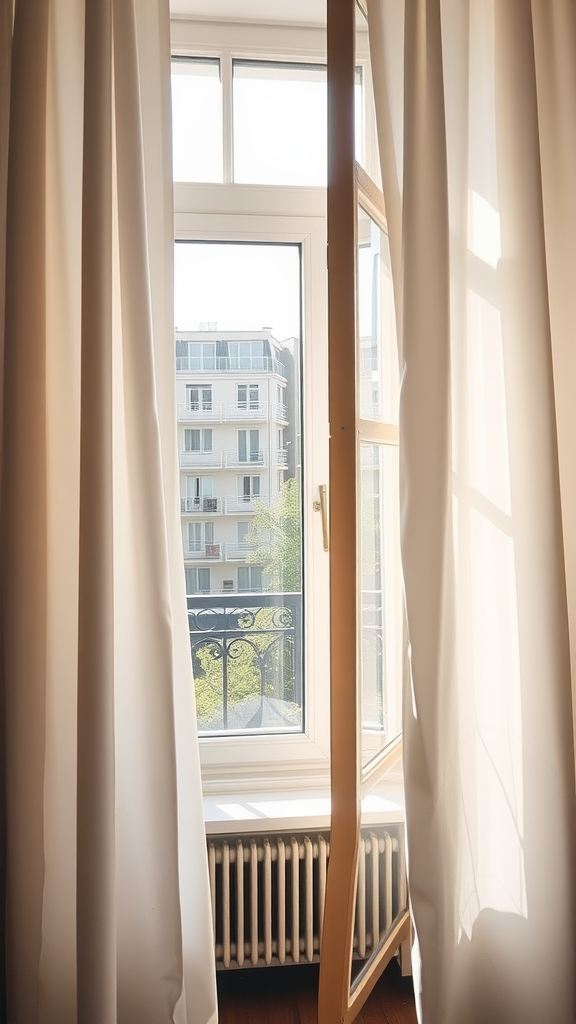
(231, 458)
(229, 506)
(203, 460)
(257, 457)
(231, 412)
(230, 364)
(199, 552)
(203, 505)
(245, 503)
(238, 552)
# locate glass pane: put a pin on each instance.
(381, 620)
(246, 615)
(367, 152)
(279, 123)
(196, 119)
(378, 351)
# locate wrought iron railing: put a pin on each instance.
(247, 658)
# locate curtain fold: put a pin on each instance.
(475, 108)
(108, 914)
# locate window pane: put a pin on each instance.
(246, 633)
(378, 353)
(196, 119)
(367, 152)
(381, 621)
(279, 123)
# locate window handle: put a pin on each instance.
(322, 506)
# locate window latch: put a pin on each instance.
(322, 506)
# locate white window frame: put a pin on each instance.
(227, 212)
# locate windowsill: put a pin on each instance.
(285, 810)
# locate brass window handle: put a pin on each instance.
(322, 506)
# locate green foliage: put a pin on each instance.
(276, 533)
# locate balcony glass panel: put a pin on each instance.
(381, 617)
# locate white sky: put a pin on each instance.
(240, 287)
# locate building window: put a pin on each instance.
(197, 580)
(249, 446)
(249, 579)
(247, 396)
(197, 440)
(248, 488)
(198, 399)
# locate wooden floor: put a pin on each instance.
(288, 995)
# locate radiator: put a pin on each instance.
(268, 895)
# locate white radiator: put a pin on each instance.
(268, 894)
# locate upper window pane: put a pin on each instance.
(367, 153)
(196, 119)
(279, 123)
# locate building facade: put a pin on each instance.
(234, 442)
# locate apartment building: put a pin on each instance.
(233, 399)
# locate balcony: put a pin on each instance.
(232, 412)
(257, 457)
(238, 552)
(235, 637)
(203, 460)
(245, 503)
(230, 364)
(203, 504)
(200, 412)
(199, 552)
(231, 458)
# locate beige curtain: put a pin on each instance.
(107, 907)
(476, 109)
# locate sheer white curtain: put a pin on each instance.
(107, 905)
(476, 109)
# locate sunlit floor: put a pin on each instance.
(288, 995)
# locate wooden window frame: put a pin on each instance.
(348, 185)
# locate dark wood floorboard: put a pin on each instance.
(288, 995)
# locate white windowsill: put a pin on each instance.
(284, 810)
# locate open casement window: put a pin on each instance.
(365, 589)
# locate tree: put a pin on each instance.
(276, 533)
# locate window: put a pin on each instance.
(247, 397)
(200, 536)
(199, 399)
(195, 355)
(254, 365)
(249, 579)
(197, 580)
(198, 496)
(249, 446)
(248, 488)
(197, 440)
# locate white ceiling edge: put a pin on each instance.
(286, 12)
